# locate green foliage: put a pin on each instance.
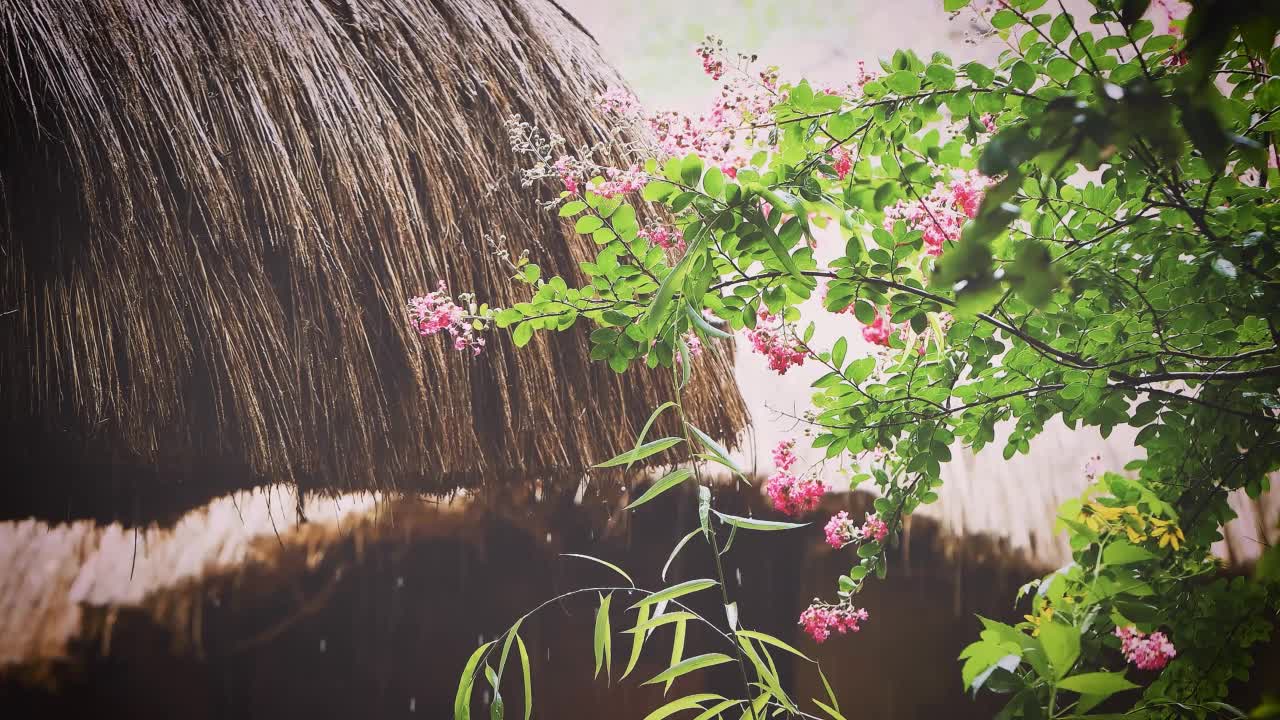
(1120, 270)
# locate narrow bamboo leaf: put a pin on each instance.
(662, 485)
(701, 323)
(673, 281)
(685, 703)
(528, 678)
(733, 533)
(686, 362)
(605, 563)
(715, 447)
(506, 646)
(677, 650)
(1097, 683)
(603, 644)
(704, 510)
(675, 591)
(496, 706)
(780, 252)
(637, 642)
(717, 709)
(688, 665)
(835, 714)
(642, 452)
(676, 551)
(660, 619)
(757, 706)
(831, 694)
(653, 416)
(754, 524)
(771, 640)
(462, 700)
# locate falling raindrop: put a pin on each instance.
(485, 698)
(413, 704)
(581, 493)
(400, 581)
(738, 573)
(323, 645)
(480, 640)
(548, 537)
(548, 653)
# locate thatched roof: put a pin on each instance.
(211, 216)
(65, 583)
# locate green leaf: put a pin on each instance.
(701, 323)
(717, 709)
(642, 452)
(675, 591)
(605, 563)
(657, 190)
(685, 703)
(653, 416)
(715, 448)
(835, 714)
(1122, 552)
(838, 352)
(677, 650)
(512, 634)
(754, 524)
(587, 224)
(522, 334)
(954, 5)
(647, 627)
(665, 483)
(676, 551)
(691, 170)
(572, 208)
(462, 700)
(603, 642)
(771, 640)
(637, 642)
(713, 182)
(496, 705)
(1096, 683)
(903, 82)
(527, 677)
(775, 244)
(689, 665)
(1061, 645)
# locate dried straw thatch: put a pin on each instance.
(211, 216)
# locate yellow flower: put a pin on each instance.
(1045, 614)
(1168, 533)
(1135, 537)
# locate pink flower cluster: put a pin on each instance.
(618, 101)
(989, 122)
(724, 134)
(436, 312)
(873, 528)
(694, 343)
(840, 530)
(770, 339)
(789, 493)
(669, 238)
(1148, 652)
(879, 332)
(941, 214)
(564, 167)
(620, 182)
(842, 162)
(820, 619)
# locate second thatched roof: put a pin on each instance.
(211, 216)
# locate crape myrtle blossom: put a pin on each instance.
(841, 531)
(1147, 652)
(819, 619)
(790, 493)
(942, 213)
(664, 236)
(769, 338)
(436, 312)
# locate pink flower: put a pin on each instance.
(843, 162)
(873, 528)
(784, 454)
(840, 530)
(436, 312)
(694, 343)
(820, 619)
(663, 236)
(1147, 652)
(879, 331)
(794, 495)
(619, 182)
(568, 175)
(989, 122)
(618, 101)
(770, 339)
(941, 214)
